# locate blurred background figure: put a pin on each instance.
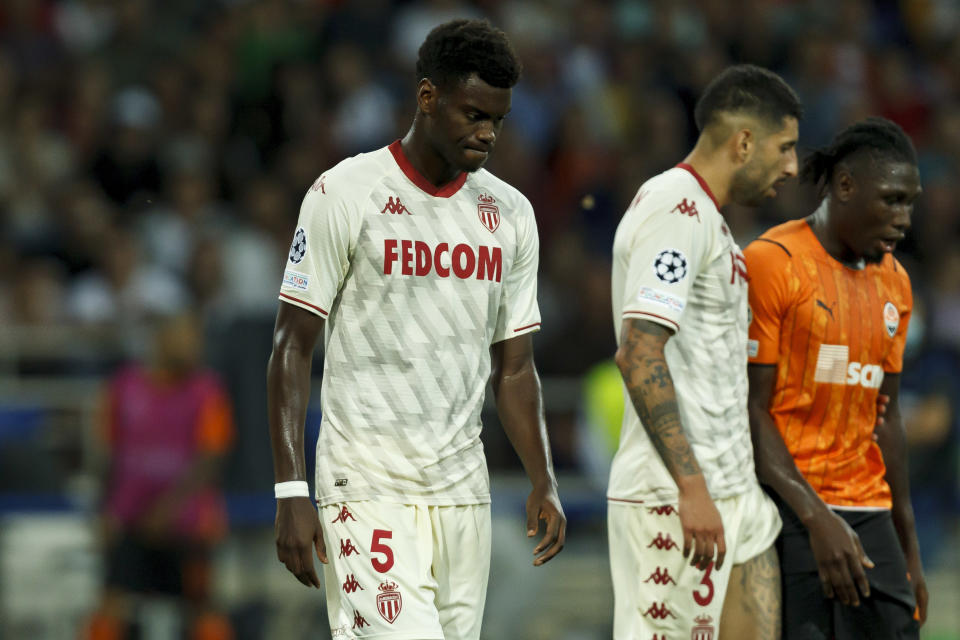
(168, 424)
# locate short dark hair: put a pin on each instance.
(456, 49)
(747, 88)
(879, 136)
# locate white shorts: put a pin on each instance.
(656, 591)
(406, 571)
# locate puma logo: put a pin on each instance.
(822, 305)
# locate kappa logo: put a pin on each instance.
(658, 612)
(347, 548)
(359, 621)
(661, 577)
(738, 268)
(351, 584)
(389, 602)
(489, 212)
(395, 206)
(660, 637)
(664, 510)
(320, 185)
(688, 209)
(663, 543)
(343, 515)
(703, 629)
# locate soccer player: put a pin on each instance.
(830, 312)
(420, 269)
(691, 531)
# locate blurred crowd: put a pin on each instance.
(153, 153)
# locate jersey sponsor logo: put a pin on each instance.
(686, 208)
(661, 298)
(661, 577)
(834, 367)
(389, 602)
(340, 482)
(395, 206)
(296, 280)
(299, 247)
(663, 543)
(891, 318)
(417, 258)
(670, 266)
(663, 510)
(351, 584)
(343, 515)
(489, 212)
(868, 376)
(658, 611)
(704, 628)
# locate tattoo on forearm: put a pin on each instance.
(653, 396)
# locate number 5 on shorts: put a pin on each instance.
(378, 547)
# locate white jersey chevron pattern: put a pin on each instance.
(415, 284)
(676, 264)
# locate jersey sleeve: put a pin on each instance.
(667, 253)
(519, 312)
(769, 269)
(893, 363)
(323, 243)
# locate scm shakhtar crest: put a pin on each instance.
(489, 212)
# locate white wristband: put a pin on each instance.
(291, 489)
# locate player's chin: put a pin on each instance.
(473, 160)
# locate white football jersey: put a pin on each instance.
(415, 284)
(675, 263)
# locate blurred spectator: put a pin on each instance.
(168, 425)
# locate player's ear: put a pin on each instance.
(427, 96)
(745, 141)
(844, 185)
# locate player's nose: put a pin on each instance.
(790, 170)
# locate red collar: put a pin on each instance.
(416, 178)
(703, 183)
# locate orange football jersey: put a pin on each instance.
(832, 332)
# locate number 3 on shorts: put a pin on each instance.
(704, 600)
(378, 547)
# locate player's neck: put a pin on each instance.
(714, 172)
(428, 163)
(821, 222)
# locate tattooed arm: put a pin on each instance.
(647, 377)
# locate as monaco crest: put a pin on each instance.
(389, 601)
(488, 212)
(704, 628)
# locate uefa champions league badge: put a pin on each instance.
(670, 266)
(891, 318)
(299, 247)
